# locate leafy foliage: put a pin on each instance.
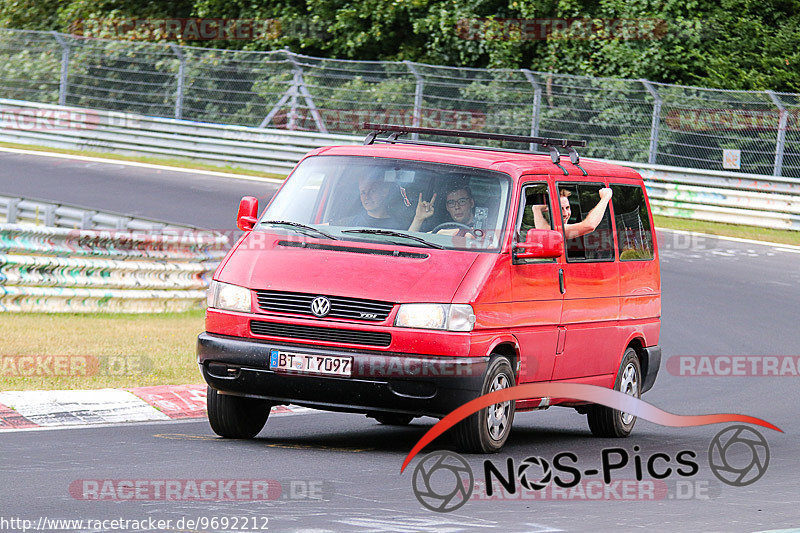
(733, 44)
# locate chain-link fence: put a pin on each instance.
(622, 119)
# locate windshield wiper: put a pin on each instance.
(390, 233)
(300, 226)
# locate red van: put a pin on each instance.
(404, 278)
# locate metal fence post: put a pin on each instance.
(418, 93)
(87, 219)
(300, 89)
(656, 121)
(293, 100)
(780, 144)
(64, 80)
(537, 107)
(13, 210)
(180, 80)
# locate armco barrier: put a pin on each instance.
(721, 196)
(274, 151)
(14, 210)
(717, 196)
(49, 269)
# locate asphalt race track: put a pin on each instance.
(196, 199)
(341, 472)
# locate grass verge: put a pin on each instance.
(130, 350)
(729, 230)
(174, 162)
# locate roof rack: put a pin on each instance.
(552, 144)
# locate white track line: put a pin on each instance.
(783, 247)
(141, 165)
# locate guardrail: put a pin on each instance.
(15, 210)
(155, 268)
(720, 196)
(275, 151)
(746, 199)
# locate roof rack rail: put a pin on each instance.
(552, 144)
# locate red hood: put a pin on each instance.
(260, 263)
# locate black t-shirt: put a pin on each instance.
(364, 220)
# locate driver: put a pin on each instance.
(459, 203)
(374, 193)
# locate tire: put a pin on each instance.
(485, 431)
(236, 417)
(392, 419)
(607, 422)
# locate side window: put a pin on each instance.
(634, 235)
(588, 233)
(534, 213)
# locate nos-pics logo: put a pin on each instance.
(443, 481)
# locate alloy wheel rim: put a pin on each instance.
(629, 384)
(498, 414)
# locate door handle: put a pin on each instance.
(561, 285)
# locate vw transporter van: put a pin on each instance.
(405, 277)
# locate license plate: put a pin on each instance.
(330, 365)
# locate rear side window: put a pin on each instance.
(634, 235)
(587, 228)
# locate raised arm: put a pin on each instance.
(592, 220)
(539, 222)
(424, 212)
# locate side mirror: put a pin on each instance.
(540, 243)
(248, 213)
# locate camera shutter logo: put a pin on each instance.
(320, 306)
(530, 482)
(738, 455)
(443, 481)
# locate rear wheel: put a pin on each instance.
(487, 430)
(392, 419)
(607, 422)
(236, 417)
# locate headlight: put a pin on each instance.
(450, 317)
(227, 296)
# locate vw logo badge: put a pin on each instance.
(320, 306)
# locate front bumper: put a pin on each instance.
(381, 382)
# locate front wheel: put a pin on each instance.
(236, 417)
(487, 430)
(607, 422)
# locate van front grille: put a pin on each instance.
(315, 333)
(299, 303)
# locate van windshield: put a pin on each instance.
(392, 201)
